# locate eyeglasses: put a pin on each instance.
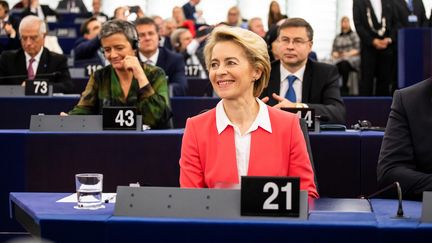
(296, 42)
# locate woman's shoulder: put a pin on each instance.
(153, 72)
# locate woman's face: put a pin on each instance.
(231, 74)
(345, 24)
(233, 17)
(116, 47)
(275, 7)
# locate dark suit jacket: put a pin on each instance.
(63, 4)
(403, 12)
(12, 43)
(86, 52)
(47, 11)
(366, 34)
(320, 89)
(174, 67)
(189, 11)
(14, 63)
(406, 154)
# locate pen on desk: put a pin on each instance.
(110, 198)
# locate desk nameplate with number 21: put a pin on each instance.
(270, 196)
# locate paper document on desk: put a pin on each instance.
(106, 197)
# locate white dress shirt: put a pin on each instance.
(242, 142)
(297, 85)
(377, 8)
(153, 59)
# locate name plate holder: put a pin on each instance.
(426, 216)
(11, 91)
(308, 115)
(176, 202)
(42, 123)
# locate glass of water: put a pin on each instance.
(89, 190)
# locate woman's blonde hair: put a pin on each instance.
(253, 45)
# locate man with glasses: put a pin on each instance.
(296, 81)
(33, 59)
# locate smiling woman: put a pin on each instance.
(243, 136)
(126, 82)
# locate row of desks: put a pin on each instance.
(345, 162)
(330, 220)
(17, 110)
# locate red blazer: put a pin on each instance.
(208, 158)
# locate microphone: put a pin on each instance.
(400, 212)
(22, 76)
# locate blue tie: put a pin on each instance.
(410, 5)
(290, 94)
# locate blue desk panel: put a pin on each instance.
(374, 109)
(61, 222)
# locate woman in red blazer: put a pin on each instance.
(241, 136)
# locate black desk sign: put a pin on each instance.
(119, 118)
(308, 114)
(270, 196)
(37, 87)
(192, 70)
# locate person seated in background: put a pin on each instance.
(33, 59)
(73, 6)
(97, 11)
(8, 28)
(168, 26)
(256, 25)
(243, 136)
(42, 11)
(406, 155)
(87, 47)
(297, 81)
(346, 52)
(150, 52)
(234, 18)
(128, 13)
(181, 21)
(126, 82)
(189, 10)
(411, 13)
(185, 44)
(274, 15)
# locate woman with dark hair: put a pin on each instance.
(126, 81)
(275, 14)
(346, 52)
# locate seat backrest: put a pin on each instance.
(305, 131)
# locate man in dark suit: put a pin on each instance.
(189, 9)
(87, 48)
(406, 154)
(376, 24)
(296, 81)
(150, 52)
(411, 13)
(8, 28)
(40, 10)
(33, 59)
(74, 6)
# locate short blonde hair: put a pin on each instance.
(253, 45)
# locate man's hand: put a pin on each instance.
(282, 102)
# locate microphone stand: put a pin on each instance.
(400, 212)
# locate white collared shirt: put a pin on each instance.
(297, 85)
(153, 58)
(377, 8)
(36, 60)
(242, 142)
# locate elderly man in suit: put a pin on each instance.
(33, 59)
(406, 154)
(150, 52)
(297, 81)
(75, 6)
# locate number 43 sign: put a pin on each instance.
(119, 118)
(270, 196)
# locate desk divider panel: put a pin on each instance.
(188, 203)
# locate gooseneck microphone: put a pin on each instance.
(24, 76)
(400, 212)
